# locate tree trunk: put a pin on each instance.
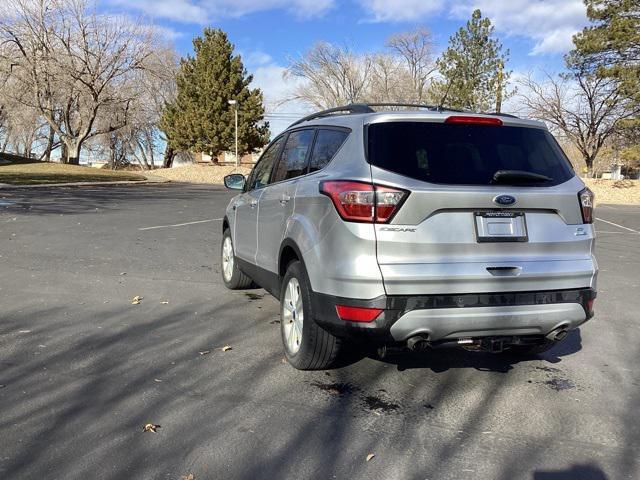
(50, 141)
(588, 160)
(169, 155)
(72, 152)
(112, 153)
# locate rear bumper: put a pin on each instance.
(444, 317)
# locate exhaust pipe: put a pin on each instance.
(558, 334)
(418, 343)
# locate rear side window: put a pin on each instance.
(327, 144)
(259, 176)
(293, 161)
(465, 154)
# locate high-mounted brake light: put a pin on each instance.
(467, 120)
(358, 314)
(363, 202)
(586, 197)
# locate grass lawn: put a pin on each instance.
(24, 171)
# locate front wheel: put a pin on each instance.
(232, 277)
(307, 346)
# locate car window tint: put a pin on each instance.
(327, 144)
(293, 161)
(260, 174)
(465, 154)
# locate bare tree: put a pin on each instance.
(333, 76)
(70, 64)
(140, 140)
(416, 49)
(584, 108)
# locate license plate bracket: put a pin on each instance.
(500, 226)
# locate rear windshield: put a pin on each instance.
(465, 154)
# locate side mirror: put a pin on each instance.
(235, 181)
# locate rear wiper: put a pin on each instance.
(518, 176)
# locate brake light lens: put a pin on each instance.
(468, 120)
(586, 198)
(358, 314)
(364, 202)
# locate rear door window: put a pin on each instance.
(465, 154)
(293, 161)
(328, 142)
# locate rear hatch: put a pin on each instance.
(489, 208)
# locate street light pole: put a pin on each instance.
(235, 105)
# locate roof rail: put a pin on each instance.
(355, 108)
(350, 109)
(416, 105)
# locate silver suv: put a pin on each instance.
(414, 228)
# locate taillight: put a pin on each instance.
(363, 202)
(358, 314)
(468, 120)
(586, 198)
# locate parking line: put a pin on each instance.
(616, 225)
(181, 224)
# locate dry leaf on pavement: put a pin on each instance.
(370, 456)
(204, 352)
(150, 427)
(226, 348)
(188, 477)
(136, 300)
(165, 303)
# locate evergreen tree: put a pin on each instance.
(200, 119)
(472, 69)
(610, 47)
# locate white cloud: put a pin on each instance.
(549, 23)
(204, 11)
(278, 90)
(182, 10)
(167, 32)
(400, 10)
(257, 57)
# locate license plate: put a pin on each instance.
(500, 227)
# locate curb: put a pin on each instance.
(151, 179)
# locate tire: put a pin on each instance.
(314, 348)
(232, 277)
(527, 350)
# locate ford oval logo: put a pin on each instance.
(504, 200)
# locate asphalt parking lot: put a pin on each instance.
(82, 369)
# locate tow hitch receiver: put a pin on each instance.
(493, 345)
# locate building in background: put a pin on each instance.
(228, 158)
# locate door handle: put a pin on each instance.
(504, 271)
(285, 198)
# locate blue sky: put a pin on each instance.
(269, 32)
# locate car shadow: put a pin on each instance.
(576, 472)
(442, 358)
